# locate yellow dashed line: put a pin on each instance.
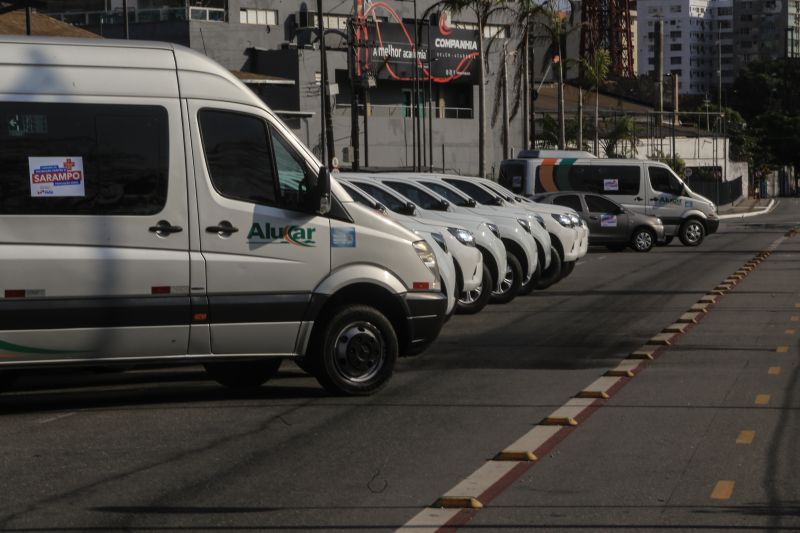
(782, 349)
(746, 437)
(795, 318)
(797, 306)
(723, 490)
(762, 399)
(774, 370)
(790, 331)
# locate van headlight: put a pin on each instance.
(427, 256)
(564, 220)
(525, 225)
(439, 238)
(540, 220)
(576, 220)
(493, 228)
(463, 236)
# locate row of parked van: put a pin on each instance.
(154, 210)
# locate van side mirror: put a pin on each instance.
(409, 209)
(445, 205)
(471, 202)
(322, 196)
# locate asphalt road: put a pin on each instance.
(169, 450)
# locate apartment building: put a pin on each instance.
(698, 42)
(766, 29)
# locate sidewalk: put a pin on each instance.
(747, 208)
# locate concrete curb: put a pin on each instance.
(764, 211)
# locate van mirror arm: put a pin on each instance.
(323, 191)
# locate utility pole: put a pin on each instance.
(354, 92)
(505, 101)
(326, 104)
(28, 17)
(526, 88)
(125, 19)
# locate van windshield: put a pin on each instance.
(445, 192)
(387, 199)
(478, 193)
(664, 181)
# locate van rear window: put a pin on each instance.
(82, 159)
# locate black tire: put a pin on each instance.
(616, 247)
(355, 352)
(243, 374)
(510, 284)
(567, 269)
(474, 301)
(692, 232)
(643, 240)
(667, 241)
(551, 274)
(530, 285)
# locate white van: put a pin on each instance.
(647, 187)
(153, 209)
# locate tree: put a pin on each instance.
(595, 71)
(483, 11)
(618, 136)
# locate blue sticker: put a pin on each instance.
(343, 237)
(689, 203)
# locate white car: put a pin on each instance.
(485, 233)
(568, 233)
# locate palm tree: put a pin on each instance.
(595, 71)
(557, 20)
(483, 10)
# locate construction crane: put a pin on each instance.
(607, 24)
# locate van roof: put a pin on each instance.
(558, 154)
(69, 66)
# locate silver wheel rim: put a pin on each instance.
(694, 232)
(506, 283)
(643, 240)
(470, 297)
(359, 352)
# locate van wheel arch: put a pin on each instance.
(556, 243)
(365, 294)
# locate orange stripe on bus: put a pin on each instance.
(546, 175)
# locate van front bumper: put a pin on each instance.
(426, 314)
(712, 225)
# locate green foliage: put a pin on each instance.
(619, 138)
(678, 165)
(767, 94)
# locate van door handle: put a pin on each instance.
(638, 198)
(164, 228)
(223, 228)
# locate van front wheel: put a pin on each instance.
(356, 352)
(510, 282)
(470, 302)
(692, 232)
(243, 374)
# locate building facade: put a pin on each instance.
(766, 29)
(279, 39)
(698, 42)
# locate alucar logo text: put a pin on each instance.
(297, 235)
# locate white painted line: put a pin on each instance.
(429, 520)
(570, 411)
(761, 211)
(602, 384)
(480, 480)
(54, 418)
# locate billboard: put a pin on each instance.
(388, 48)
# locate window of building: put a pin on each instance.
(83, 159)
(675, 47)
(675, 60)
(263, 17)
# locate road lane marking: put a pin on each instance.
(782, 349)
(723, 490)
(54, 418)
(762, 399)
(774, 370)
(746, 437)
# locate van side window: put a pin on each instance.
(295, 179)
(615, 180)
(662, 180)
(83, 159)
(389, 200)
(569, 200)
(238, 156)
(415, 194)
